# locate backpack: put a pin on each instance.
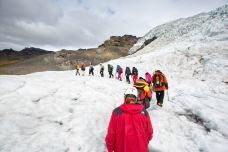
(142, 98)
(121, 70)
(128, 71)
(148, 78)
(83, 67)
(111, 67)
(91, 68)
(77, 66)
(134, 71)
(158, 80)
(117, 68)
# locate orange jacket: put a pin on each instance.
(164, 83)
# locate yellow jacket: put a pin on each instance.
(77, 66)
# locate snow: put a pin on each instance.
(56, 111)
(61, 112)
(199, 27)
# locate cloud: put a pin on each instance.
(56, 24)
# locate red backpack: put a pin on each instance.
(121, 70)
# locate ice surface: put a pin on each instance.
(61, 112)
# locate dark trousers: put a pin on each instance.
(160, 96)
(91, 72)
(127, 78)
(110, 74)
(102, 73)
(77, 72)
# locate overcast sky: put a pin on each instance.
(73, 24)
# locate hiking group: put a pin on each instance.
(91, 70)
(157, 82)
(130, 128)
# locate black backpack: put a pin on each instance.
(134, 70)
(128, 71)
(110, 67)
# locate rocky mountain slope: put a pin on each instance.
(10, 56)
(115, 47)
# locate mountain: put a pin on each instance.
(34, 60)
(58, 111)
(204, 26)
(10, 56)
(115, 47)
(202, 40)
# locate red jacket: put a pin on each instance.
(129, 130)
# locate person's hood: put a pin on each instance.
(131, 108)
(158, 72)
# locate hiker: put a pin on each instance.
(130, 128)
(160, 84)
(120, 74)
(91, 69)
(77, 68)
(101, 70)
(144, 92)
(134, 74)
(117, 70)
(110, 69)
(83, 69)
(127, 74)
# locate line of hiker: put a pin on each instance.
(118, 75)
(83, 68)
(130, 128)
(157, 82)
(91, 69)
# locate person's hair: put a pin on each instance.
(132, 99)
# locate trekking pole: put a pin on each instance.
(168, 94)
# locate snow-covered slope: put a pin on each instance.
(56, 112)
(59, 112)
(201, 27)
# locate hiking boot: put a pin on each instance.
(159, 104)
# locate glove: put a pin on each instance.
(166, 86)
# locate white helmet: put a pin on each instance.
(131, 90)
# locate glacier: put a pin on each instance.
(61, 112)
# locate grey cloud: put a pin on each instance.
(46, 11)
(60, 24)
